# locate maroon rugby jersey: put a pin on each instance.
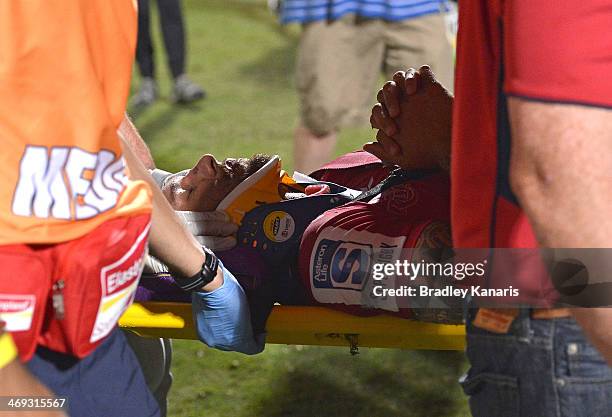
(339, 248)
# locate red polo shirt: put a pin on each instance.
(557, 52)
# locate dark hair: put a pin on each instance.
(255, 163)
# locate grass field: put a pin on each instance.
(245, 61)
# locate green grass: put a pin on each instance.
(245, 61)
(296, 381)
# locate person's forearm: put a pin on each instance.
(130, 134)
(561, 174)
(169, 240)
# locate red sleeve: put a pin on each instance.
(559, 51)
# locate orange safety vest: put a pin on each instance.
(65, 68)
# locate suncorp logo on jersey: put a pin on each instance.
(339, 264)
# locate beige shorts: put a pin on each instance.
(339, 64)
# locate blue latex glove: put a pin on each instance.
(223, 318)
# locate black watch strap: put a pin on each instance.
(204, 276)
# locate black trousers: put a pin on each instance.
(173, 32)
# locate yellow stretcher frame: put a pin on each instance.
(294, 325)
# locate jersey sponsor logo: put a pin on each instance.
(17, 311)
(67, 183)
(341, 264)
(279, 226)
(119, 281)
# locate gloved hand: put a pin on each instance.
(212, 229)
(223, 318)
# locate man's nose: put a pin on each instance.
(205, 168)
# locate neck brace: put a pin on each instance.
(261, 187)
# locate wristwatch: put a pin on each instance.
(207, 273)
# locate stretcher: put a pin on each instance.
(295, 325)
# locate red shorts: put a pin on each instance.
(69, 296)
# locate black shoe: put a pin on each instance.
(186, 91)
(147, 93)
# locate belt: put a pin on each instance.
(500, 320)
(550, 313)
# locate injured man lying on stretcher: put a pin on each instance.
(313, 240)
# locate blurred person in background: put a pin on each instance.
(344, 47)
(173, 32)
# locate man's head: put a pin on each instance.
(202, 187)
